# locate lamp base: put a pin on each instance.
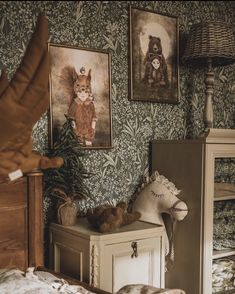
(208, 109)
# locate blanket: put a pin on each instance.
(15, 281)
(140, 288)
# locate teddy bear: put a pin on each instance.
(108, 218)
(155, 64)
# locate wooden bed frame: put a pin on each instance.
(21, 222)
(21, 225)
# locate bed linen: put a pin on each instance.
(145, 289)
(15, 281)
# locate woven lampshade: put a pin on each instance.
(213, 40)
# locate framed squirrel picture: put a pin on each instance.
(80, 91)
(154, 56)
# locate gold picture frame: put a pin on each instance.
(80, 88)
(154, 56)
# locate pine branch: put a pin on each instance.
(70, 177)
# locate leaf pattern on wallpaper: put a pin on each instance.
(117, 172)
(223, 123)
(222, 76)
(152, 115)
(79, 12)
(110, 161)
(22, 48)
(232, 91)
(133, 129)
(195, 101)
(99, 7)
(2, 24)
(114, 93)
(110, 44)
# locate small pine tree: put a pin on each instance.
(67, 182)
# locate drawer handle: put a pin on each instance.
(134, 247)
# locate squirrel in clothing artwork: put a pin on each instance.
(81, 107)
(155, 73)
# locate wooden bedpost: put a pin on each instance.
(35, 218)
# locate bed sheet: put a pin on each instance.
(15, 281)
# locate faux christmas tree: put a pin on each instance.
(67, 182)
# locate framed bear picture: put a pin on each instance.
(154, 56)
(80, 95)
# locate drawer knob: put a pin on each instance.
(134, 247)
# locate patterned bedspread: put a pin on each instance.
(145, 289)
(15, 281)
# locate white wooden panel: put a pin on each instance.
(121, 269)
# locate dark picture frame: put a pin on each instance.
(153, 56)
(80, 89)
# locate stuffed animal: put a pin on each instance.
(155, 64)
(23, 101)
(108, 218)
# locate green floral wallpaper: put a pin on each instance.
(104, 25)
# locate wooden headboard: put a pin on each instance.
(21, 226)
(21, 222)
